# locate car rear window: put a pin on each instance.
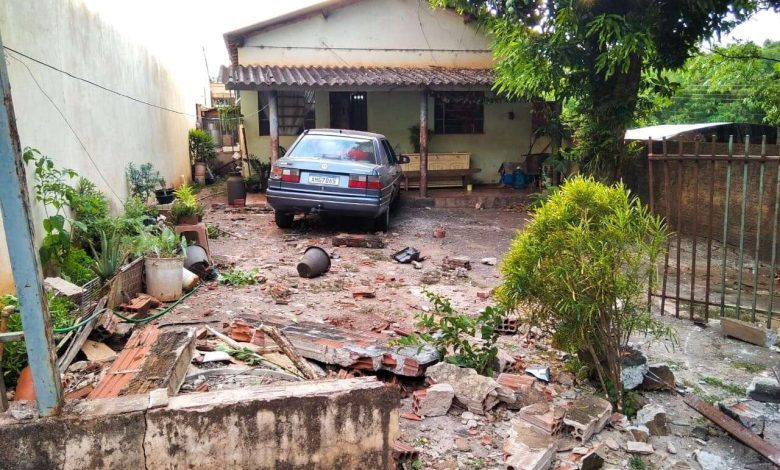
(335, 148)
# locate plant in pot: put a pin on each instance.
(202, 152)
(262, 170)
(414, 137)
(164, 252)
(142, 179)
(186, 210)
(165, 194)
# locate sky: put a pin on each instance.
(180, 31)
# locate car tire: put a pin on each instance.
(382, 223)
(284, 219)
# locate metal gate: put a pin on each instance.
(722, 206)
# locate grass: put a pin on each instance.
(730, 388)
(636, 463)
(751, 367)
(212, 231)
(698, 391)
(239, 277)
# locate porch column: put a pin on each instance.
(424, 143)
(273, 124)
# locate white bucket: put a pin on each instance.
(164, 278)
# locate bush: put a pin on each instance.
(76, 267)
(89, 209)
(202, 148)
(581, 269)
(143, 179)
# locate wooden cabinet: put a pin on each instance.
(439, 161)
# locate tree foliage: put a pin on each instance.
(581, 269)
(736, 83)
(597, 56)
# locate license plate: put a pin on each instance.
(324, 180)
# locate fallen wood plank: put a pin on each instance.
(734, 428)
(81, 337)
(747, 332)
(97, 351)
(289, 350)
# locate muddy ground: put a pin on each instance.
(252, 240)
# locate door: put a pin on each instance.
(349, 110)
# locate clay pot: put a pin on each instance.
(439, 232)
(25, 390)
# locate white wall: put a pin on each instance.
(114, 130)
(372, 24)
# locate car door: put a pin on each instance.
(394, 170)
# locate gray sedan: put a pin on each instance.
(338, 172)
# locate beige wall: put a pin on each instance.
(376, 25)
(115, 130)
(392, 113)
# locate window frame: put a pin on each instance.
(264, 123)
(441, 111)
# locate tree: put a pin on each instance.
(597, 56)
(737, 83)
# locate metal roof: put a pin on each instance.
(267, 77)
(667, 131)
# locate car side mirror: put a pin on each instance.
(404, 159)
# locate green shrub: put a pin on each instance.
(76, 267)
(581, 269)
(89, 212)
(142, 179)
(454, 335)
(202, 148)
(239, 277)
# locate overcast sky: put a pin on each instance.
(179, 30)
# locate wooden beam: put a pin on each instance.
(424, 143)
(273, 124)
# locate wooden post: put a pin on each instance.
(24, 262)
(424, 143)
(273, 124)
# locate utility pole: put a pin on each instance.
(24, 262)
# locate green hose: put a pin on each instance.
(79, 324)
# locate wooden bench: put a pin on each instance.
(465, 174)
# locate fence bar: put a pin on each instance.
(695, 225)
(726, 205)
(769, 158)
(756, 264)
(773, 261)
(678, 231)
(668, 211)
(741, 258)
(651, 191)
(710, 216)
(728, 305)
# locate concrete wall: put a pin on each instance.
(114, 130)
(392, 113)
(356, 34)
(345, 424)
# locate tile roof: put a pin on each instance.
(268, 76)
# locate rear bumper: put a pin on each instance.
(293, 201)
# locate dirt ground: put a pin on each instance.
(459, 440)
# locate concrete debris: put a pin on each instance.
(639, 433)
(709, 461)
(747, 415)
(491, 261)
(653, 416)
(508, 326)
(540, 372)
(611, 443)
(358, 241)
(764, 389)
(456, 262)
(97, 352)
(524, 389)
(748, 332)
(64, 288)
(363, 293)
(634, 368)
(671, 448)
(505, 362)
(475, 392)
(417, 264)
(642, 448)
(527, 449)
(404, 452)
(657, 378)
(543, 416)
(619, 421)
(591, 460)
(588, 416)
(433, 401)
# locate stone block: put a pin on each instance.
(748, 332)
(764, 389)
(587, 416)
(642, 448)
(528, 449)
(657, 378)
(543, 416)
(634, 368)
(639, 433)
(653, 416)
(433, 401)
(475, 392)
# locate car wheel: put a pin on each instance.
(284, 219)
(382, 223)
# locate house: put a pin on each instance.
(383, 66)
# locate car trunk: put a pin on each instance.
(327, 176)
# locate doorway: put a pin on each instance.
(349, 110)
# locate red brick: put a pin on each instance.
(241, 331)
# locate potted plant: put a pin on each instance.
(186, 210)
(262, 170)
(414, 137)
(142, 179)
(202, 152)
(164, 253)
(165, 194)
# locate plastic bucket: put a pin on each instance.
(315, 261)
(164, 278)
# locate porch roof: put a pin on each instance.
(256, 77)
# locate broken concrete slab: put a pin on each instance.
(433, 401)
(587, 416)
(764, 389)
(543, 416)
(653, 417)
(748, 332)
(524, 388)
(97, 352)
(634, 368)
(658, 377)
(475, 392)
(642, 448)
(64, 288)
(639, 433)
(528, 449)
(709, 461)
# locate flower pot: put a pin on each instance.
(164, 277)
(188, 220)
(236, 189)
(164, 196)
(200, 173)
(315, 261)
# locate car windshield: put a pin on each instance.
(335, 148)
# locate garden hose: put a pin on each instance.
(81, 323)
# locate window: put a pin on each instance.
(459, 112)
(295, 110)
(390, 153)
(331, 147)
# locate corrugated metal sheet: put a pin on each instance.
(267, 76)
(668, 131)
